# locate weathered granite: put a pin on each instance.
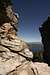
(14, 53)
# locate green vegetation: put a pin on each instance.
(38, 56)
(4, 3)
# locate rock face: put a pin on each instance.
(15, 55)
(44, 30)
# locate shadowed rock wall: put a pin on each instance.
(45, 34)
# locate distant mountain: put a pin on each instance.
(34, 42)
(35, 45)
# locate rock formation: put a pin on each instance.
(15, 55)
(44, 30)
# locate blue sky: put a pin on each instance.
(32, 14)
